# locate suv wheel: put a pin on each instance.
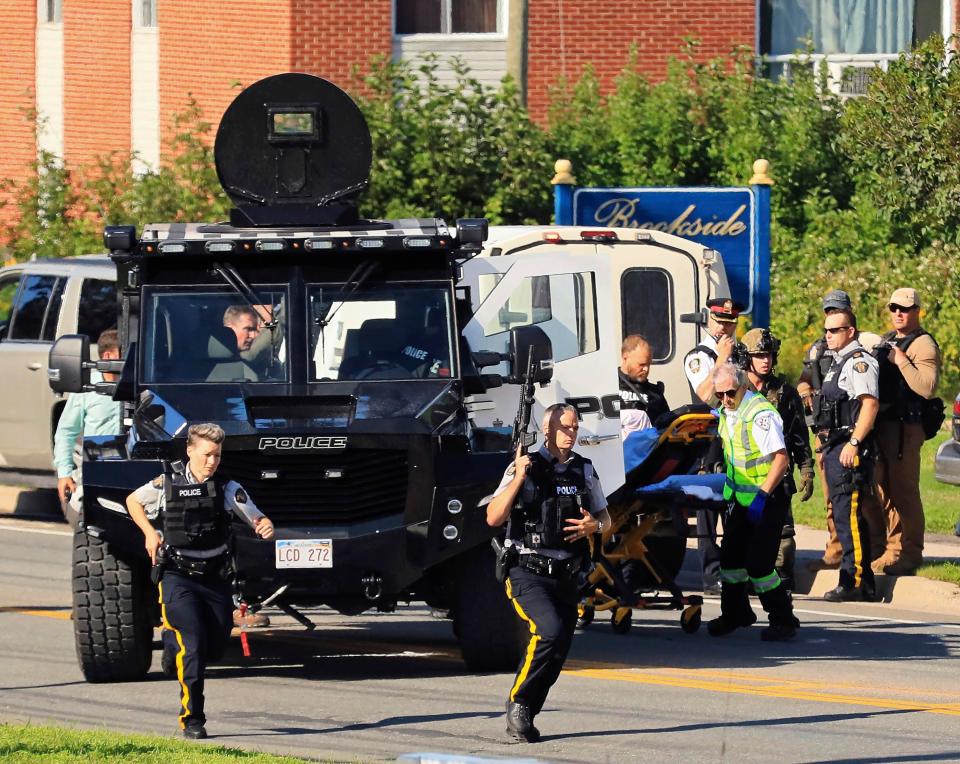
(112, 613)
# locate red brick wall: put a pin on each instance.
(208, 46)
(331, 37)
(17, 57)
(96, 83)
(601, 32)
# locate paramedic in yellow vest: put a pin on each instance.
(756, 460)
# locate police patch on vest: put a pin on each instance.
(694, 365)
(860, 367)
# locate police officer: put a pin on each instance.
(815, 367)
(552, 503)
(844, 415)
(715, 348)
(636, 389)
(758, 357)
(909, 373)
(192, 508)
(756, 461)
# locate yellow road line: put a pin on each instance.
(771, 691)
(63, 615)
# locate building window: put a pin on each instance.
(50, 11)
(145, 13)
(852, 37)
(447, 16)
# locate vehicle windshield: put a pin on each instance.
(382, 332)
(212, 335)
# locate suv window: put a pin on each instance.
(32, 308)
(8, 291)
(49, 332)
(98, 307)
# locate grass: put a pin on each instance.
(941, 571)
(59, 745)
(941, 502)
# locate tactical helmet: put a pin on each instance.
(758, 341)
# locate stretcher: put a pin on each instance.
(670, 474)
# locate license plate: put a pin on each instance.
(304, 553)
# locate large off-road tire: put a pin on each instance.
(112, 613)
(492, 636)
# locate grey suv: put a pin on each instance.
(39, 301)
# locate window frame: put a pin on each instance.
(446, 15)
(49, 12)
(138, 15)
(671, 297)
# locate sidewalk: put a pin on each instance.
(907, 592)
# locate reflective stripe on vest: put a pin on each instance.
(747, 468)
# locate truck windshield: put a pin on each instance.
(381, 332)
(212, 335)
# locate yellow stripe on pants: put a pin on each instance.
(184, 692)
(855, 531)
(531, 646)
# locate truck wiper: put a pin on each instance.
(354, 281)
(241, 287)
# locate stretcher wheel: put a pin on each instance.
(690, 619)
(621, 621)
(585, 615)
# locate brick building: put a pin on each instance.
(108, 75)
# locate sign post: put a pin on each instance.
(734, 221)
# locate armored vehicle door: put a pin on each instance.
(568, 297)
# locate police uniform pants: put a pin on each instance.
(197, 618)
(834, 550)
(749, 554)
(897, 481)
(846, 496)
(549, 608)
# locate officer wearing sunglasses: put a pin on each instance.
(844, 416)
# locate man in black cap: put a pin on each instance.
(715, 348)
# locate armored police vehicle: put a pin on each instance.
(365, 373)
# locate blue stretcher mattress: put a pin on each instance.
(703, 487)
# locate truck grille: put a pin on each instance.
(307, 488)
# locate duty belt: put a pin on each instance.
(562, 570)
(194, 566)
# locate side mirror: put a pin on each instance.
(700, 317)
(522, 340)
(69, 365)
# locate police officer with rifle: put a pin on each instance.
(193, 562)
(552, 503)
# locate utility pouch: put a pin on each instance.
(931, 417)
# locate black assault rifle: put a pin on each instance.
(522, 438)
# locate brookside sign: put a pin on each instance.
(733, 221)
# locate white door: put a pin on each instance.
(570, 298)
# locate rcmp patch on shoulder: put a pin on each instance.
(860, 367)
(240, 496)
(694, 365)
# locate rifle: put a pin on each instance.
(521, 437)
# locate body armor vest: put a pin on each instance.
(557, 498)
(833, 408)
(194, 517)
(897, 401)
(818, 366)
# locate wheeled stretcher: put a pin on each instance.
(670, 474)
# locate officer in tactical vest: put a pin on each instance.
(756, 354)
(714, 349)
(844, 415)
(194, 560)
(756, 461)
(636, 389)
(909, 361)
(815, 367)
(552, 504)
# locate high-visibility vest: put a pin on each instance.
(747, 468)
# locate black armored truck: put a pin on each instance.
(330, 349)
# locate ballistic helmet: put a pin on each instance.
(758, 341)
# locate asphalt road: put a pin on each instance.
(862, 683)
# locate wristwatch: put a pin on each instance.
(854, 441)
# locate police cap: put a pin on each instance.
(724, 309)
(837, 299)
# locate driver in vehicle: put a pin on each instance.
(245, 323)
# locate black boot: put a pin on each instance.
(735, 610)
(783, 624)
(520, 723)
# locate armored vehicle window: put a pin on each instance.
(98, 307)
(32, 308)
(646, 295)
(389, 332)
(208, 335)
(564, 305)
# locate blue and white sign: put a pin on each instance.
(733, 221)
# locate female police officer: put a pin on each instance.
(559, 504)
(195, 594)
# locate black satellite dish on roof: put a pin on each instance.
(293, 149)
